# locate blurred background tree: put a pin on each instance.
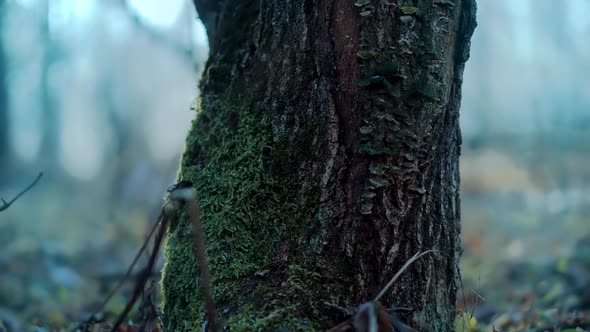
(4, 133)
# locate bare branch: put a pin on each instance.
(130, 268)
(5, 205)
(140, 285)
(142, 277)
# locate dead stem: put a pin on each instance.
(6, 205)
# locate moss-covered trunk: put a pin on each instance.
(325, 151)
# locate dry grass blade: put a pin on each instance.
(396, 276)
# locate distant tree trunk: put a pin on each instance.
(325, 151)
(49, 149)
(4, 126)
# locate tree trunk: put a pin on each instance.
(325, 152)
(50, 115)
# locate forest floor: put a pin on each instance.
(52, 292)
(506, 286)
(548, 295)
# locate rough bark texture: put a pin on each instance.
(325, 151)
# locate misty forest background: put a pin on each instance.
(98, 95)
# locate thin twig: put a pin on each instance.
(130, 269)
(460, 277)
(147, 309)
(189, 195)
(343, 326)
(396, 276)
(6, 205)
(139, 287)
(347, 325)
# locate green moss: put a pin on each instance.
(295, 306)
(251, 201)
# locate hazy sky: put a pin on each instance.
(160, 13)
(521, 11)
(157, 11)
(74, 24)
(164, 13)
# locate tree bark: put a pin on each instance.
(325, 152)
